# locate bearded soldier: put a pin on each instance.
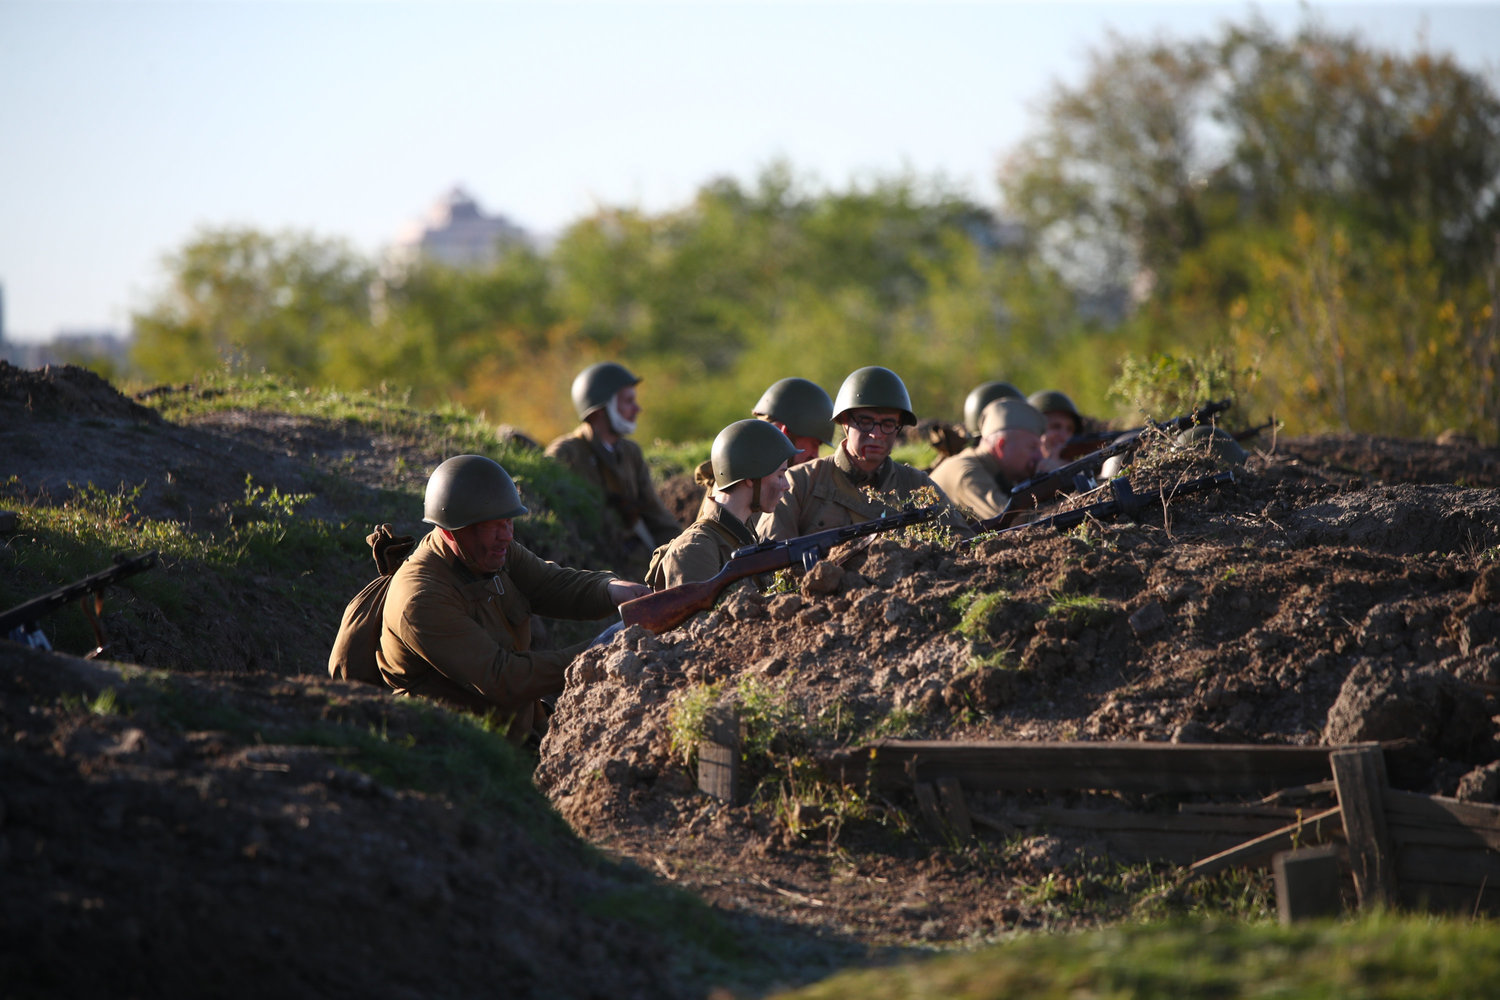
(979, 478)
(600, 450)
(749, 461)
(457, 619)
(859, 481)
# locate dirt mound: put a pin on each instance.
(65, 389)
(1258, 613)
(145, 859)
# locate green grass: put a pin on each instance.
(977, 611)
(1382, 957)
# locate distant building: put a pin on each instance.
(456, 233)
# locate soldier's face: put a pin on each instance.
(627, 404)
(807, 448)
(1060, 427)
(485, 545)
(865, 437)
(774, 487)
(1018, 452)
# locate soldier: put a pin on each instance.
(983, 395)
(1063, 423)
(979, 479)
(457, 619)
(802, 411)
(749, 467)
(872, 406)
(601, 451)
(799, 409)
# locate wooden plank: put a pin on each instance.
(1146, 822)
(1480, 821)
(719, 754)
(1121, 766)
(718, 770)
(1464, 900)
(1359, 779)
(955, 808)
(1307, 883)
(928, 804)
(1313, 829)
(1448, 867)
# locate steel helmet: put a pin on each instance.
(980, 397)
(874, 388)
(748, 449)
(597, 384)
(1052, 401)
(1010, 415)
(467, 489)
(802, 405)
(1220, 443)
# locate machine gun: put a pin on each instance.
(666, 609)
(1124, 500)
(1083, 444)
(20, 622)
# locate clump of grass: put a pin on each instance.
(977, 611)
(1083, 607)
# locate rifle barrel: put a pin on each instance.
(38, 607)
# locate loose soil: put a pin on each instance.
(1341, 589)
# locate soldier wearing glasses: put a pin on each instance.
(859, 481)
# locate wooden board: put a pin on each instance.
(1119, 766)
(1359, 778)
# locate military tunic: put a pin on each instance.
(826, 493)
(621, 474)
(700, 551)
(973, 482)
(465, 639)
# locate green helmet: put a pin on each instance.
(874, 388)
(597, 384)
(467, 489)
(1219, 443)
(1010, 415)
(980, 397)
(748, 449)
(802, 405)
(1052, 401)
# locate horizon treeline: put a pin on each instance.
(1308, 224)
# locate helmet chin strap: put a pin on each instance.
(755, 507)
(617, 423)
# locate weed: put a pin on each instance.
(1085, 607)
(978, 611)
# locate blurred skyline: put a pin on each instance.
(129, 125)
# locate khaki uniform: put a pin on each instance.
(826, 493)
(700, 551)
(465, 639)
(973, 482)
(621, 475)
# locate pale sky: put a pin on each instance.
(127, 125)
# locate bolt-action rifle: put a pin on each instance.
(1077, 476)
(1123, 501)
(20, 622)
(666, 609)
(1083, 444)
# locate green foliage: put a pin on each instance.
(1085, 607)
(1188, 203)
(1378, 957)
(1162, 386)
(977, 611)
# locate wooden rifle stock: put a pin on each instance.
(666, 609)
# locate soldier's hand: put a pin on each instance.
(621, 591)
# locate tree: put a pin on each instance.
(244, 297)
